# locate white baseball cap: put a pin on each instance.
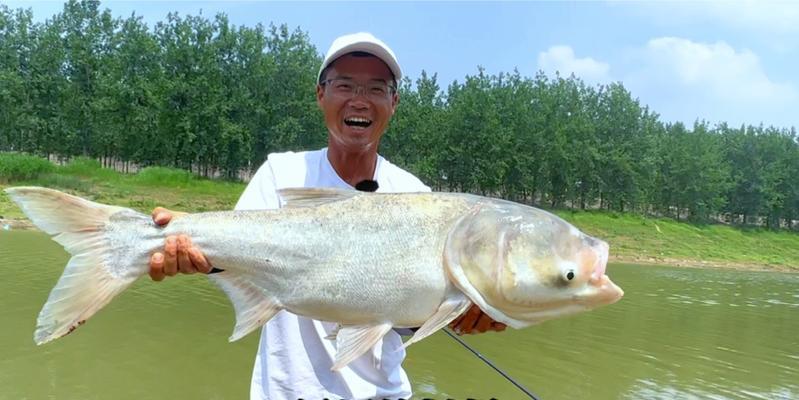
(364, 42)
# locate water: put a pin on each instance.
(678, 333)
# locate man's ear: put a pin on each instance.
(320, 94)
(395, 99)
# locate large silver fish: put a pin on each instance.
(368, 261)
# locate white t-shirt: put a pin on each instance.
(294, 357)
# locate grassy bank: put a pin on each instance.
(632, 238)
(157, 186)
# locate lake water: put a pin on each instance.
(677, 334)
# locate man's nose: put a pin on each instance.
(359, 102)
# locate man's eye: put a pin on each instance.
(344, 87)
(379, 90)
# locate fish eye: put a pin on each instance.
(570, 275)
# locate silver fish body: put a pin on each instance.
(369, 262)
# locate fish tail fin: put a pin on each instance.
(93, 275)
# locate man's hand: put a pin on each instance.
(179, 254)
(474, 320)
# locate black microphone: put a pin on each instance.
(367, 185)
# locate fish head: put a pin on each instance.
(522, 265)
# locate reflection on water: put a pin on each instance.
(678, 333)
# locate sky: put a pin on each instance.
(734, 61)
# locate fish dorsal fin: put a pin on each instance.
(312, 197)
(352, 341)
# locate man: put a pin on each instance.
(356, 91)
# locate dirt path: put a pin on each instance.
(16, 224)
(687, 263)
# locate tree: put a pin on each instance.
(415, 138)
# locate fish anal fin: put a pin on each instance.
(354, 340)
(452, 307)
(312, 197)
(252, 305)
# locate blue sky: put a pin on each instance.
(734, 61)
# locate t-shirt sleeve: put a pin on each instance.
(411, 183)
(260, 193)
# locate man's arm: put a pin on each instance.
(474, 320)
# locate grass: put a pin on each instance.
(166, 187)
(631, 237)
(662, 240)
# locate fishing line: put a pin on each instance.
(490, 364)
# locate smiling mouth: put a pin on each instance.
(357, 122)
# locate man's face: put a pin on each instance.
(356, 122)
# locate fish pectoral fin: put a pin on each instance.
(451, 308)
(312, 197)
(253, 306)
(352, 341)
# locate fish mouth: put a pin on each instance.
(601, 264)
(605, 291)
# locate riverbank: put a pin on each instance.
(687, 263)
(663, 241)
(632, 238)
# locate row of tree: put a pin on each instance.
(191, 92)
(202, 94)
(563, 143)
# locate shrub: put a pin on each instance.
(63, 182)
(82, 166)
(89, 168)
(162, 176)
(19, 167)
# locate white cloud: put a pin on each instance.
(712, 81)
(716, 67)
(563, 60)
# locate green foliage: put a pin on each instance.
(69, 183)
(190, 92)
(18, 167)
(82, 166)
(88, 167)
(162, 176)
